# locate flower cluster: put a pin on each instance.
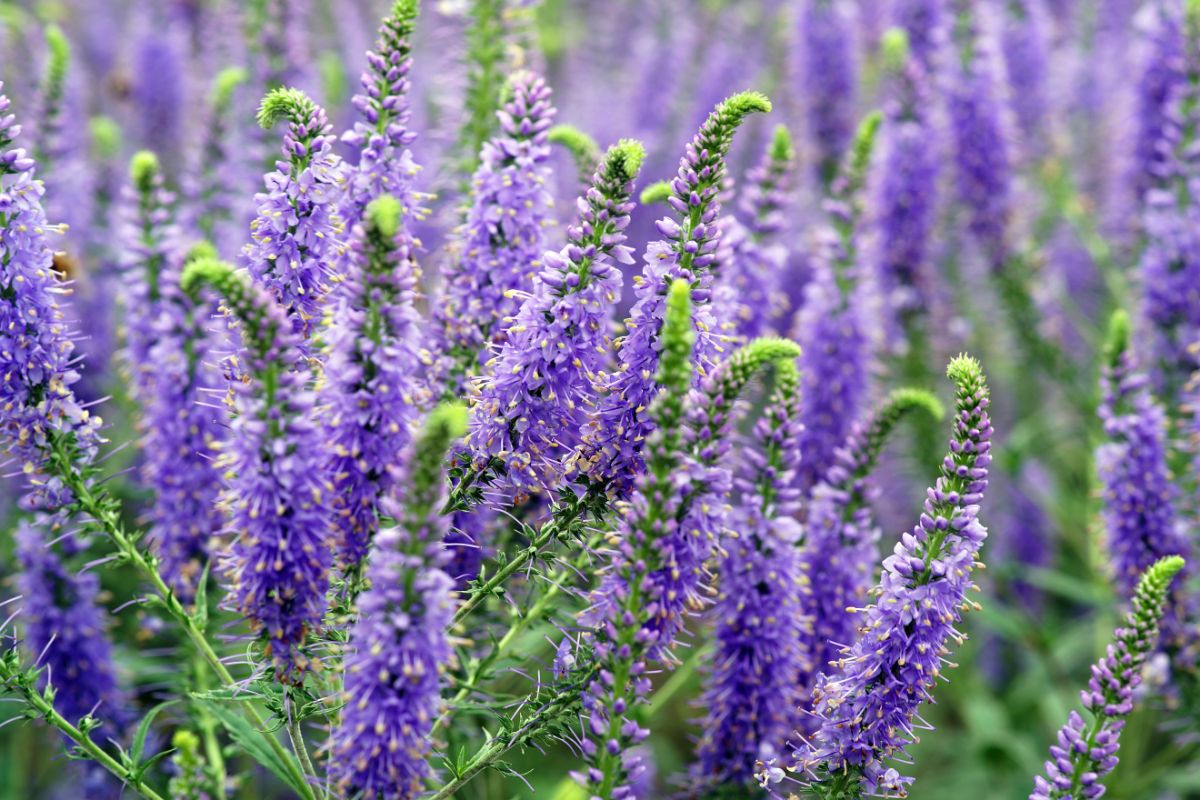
(36, 348)
(399, 646)
(503, 238)
(1087, 751)
(531, 406)
(371, 393)
(277, 494)
(866, 707)
(753, 691)
(611, 451)
(297, 233)
(1139, 498)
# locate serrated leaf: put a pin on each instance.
(255, 744)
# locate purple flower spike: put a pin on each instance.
(753, 690)
(827, 47)
(276, 492)
(371, 391)
(65, 629)
(381, 134)
(840, 556)
(1139, 497)
(502, 240)
(399, 646)
(611, 450)
(866, 710)
(532, 405)
(297, 233)
(38, 407)
(980, 147)
(1086, 751)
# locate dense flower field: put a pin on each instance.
(611, 399)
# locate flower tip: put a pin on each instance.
(201, 250)
(1120, 330)
(580, 145)
(657, 192)
(384, 213)
(1166, 568)
(909, 398)
(405, 11)
(143, 169)
(626, 157)
(894, 48)
(773, 348)
(964, 369)
(447, 421)
(205, 271)
(783, 151)
(226, 82)
(284, 102)
(751, 102)
(105, 136)
(60, 48)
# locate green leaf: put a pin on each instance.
(143, 730)
(254, 743)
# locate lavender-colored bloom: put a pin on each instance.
(629, 612)
(532, 404)
(834, 373)
(980, 148)
(753, 259)
(1026, 48)
(64, 628)
(381, 135)
(906, 199)
(1163, 74)
(37, 404)
(158, 87)
(829, 74)
(922, 21)
(867, 708)
(151, 246)
(503, 238)
(277, 494)
(399, 645)
(298, 228)
(751, 694)
(371, 391)
(840, 555)
(217, 168)
(1139, 497)
(611, 451)
(1087, 751)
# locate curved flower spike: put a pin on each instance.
(1086, 751)
(583, 149)
(839, 558)
(275, 466)
(611, 451)
(867, 709)
(531, 406)
(657, 192)
(298, 226)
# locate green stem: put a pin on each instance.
(82, 740)
(208, 730)
(107, 518)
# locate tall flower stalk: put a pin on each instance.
(867, 708)
(277, 494)
(611, 450)
(371, 391)
(1086, 749)
(840, 553)
(399, 645)
(752, 693)
(532, 404)
(501, 242)
(297, 233)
